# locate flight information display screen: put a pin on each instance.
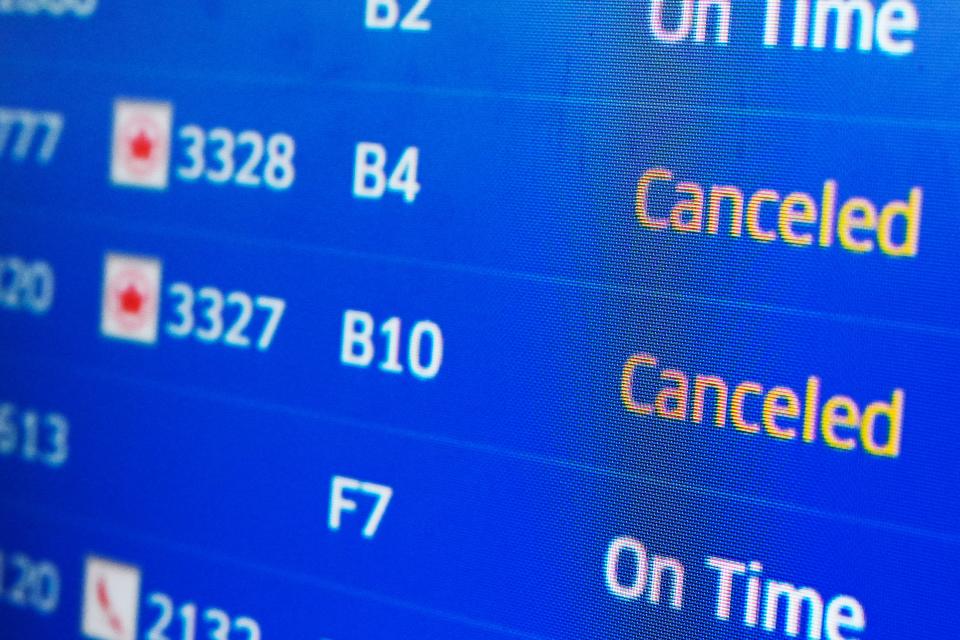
(476, 320)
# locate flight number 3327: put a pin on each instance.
(210, 316)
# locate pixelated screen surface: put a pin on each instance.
(409, 319)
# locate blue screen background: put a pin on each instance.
(209, 468)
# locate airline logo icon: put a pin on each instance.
(111, 600)
(140, 156)
(131, 298)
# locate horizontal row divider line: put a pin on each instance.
(97, 526)
(233, 239)
(367, 425)
(634, 103)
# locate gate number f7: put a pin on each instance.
(340, 503)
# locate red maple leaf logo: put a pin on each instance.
(103, 599)
(131, 300)
(141, 146)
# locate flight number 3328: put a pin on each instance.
(210, 316)
(246, 159)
